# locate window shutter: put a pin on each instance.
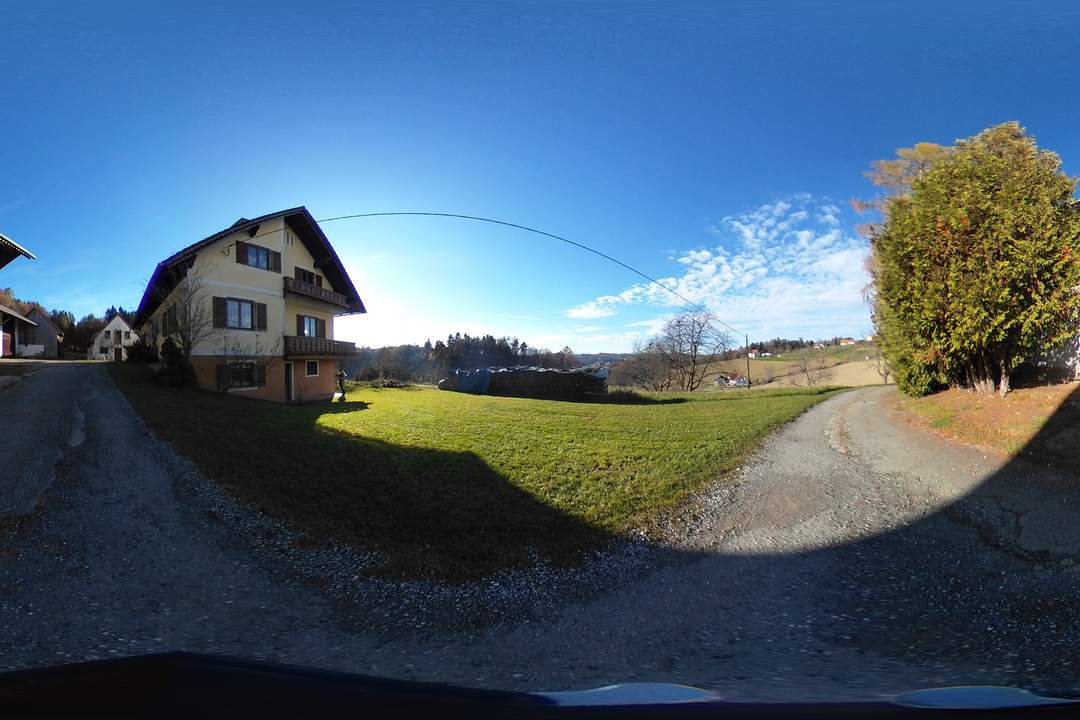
(299, 325)
(260, 316)
(222, 376)
(320, 328)
(220, 312)
(318, 280)
(241, 252)
(275, 261)
(260, 374)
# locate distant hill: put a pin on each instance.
(605, 359)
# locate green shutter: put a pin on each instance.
(260, 316)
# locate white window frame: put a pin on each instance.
(307, 366)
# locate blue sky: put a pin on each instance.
(715, 145)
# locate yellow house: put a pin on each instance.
(256, 302)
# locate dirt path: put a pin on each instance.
(852, 557)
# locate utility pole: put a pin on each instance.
(746, 337)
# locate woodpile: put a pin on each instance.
(529, 382)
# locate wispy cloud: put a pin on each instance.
(785, 268)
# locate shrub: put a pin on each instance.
(177, 370)
(142, 352)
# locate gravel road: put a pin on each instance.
(851, 557)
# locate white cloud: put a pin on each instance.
(783, 268)
(593, 310)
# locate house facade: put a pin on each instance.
(44, 338)
(112, 341)
(258, 302)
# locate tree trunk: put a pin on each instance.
(1003, 364)
(981, 377)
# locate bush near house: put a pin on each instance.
(455, 486)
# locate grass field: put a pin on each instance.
(455, 486)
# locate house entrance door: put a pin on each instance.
(288, 382)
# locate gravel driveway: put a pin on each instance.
(851, 557)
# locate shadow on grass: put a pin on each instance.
(435, 514)
(963, 593)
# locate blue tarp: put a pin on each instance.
(476, 382)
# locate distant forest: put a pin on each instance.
(430, 362)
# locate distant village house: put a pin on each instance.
(112, 341)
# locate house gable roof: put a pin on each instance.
(38, 312)
(298, 219)
(8, 311)
(116, 323)
(9, 250)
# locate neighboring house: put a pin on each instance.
(752, 354)
(112, 341)
(847, 341)
(271, 288)
(732, 379)
(15, 330)
(45, 335)
(9, 250)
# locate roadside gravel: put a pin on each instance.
(848, 558)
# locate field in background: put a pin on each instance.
(848, 366)
(455, 486)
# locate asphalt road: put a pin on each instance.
(851, 557)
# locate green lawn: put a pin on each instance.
(456, 486)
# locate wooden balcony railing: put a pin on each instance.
(299, 287)
(295, 345)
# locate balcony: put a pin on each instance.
(315, 292)
(295, 345)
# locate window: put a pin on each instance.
(308, 326)
(257, 256)
(308, 277)
(312, 368)
(127, 334)
(239, 314)
(241, 374)
(169, 322)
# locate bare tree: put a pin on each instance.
(811, 369)
(877, 361)
(188, 318)
(692, 342)
(647, 368)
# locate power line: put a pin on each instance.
(526, 228)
